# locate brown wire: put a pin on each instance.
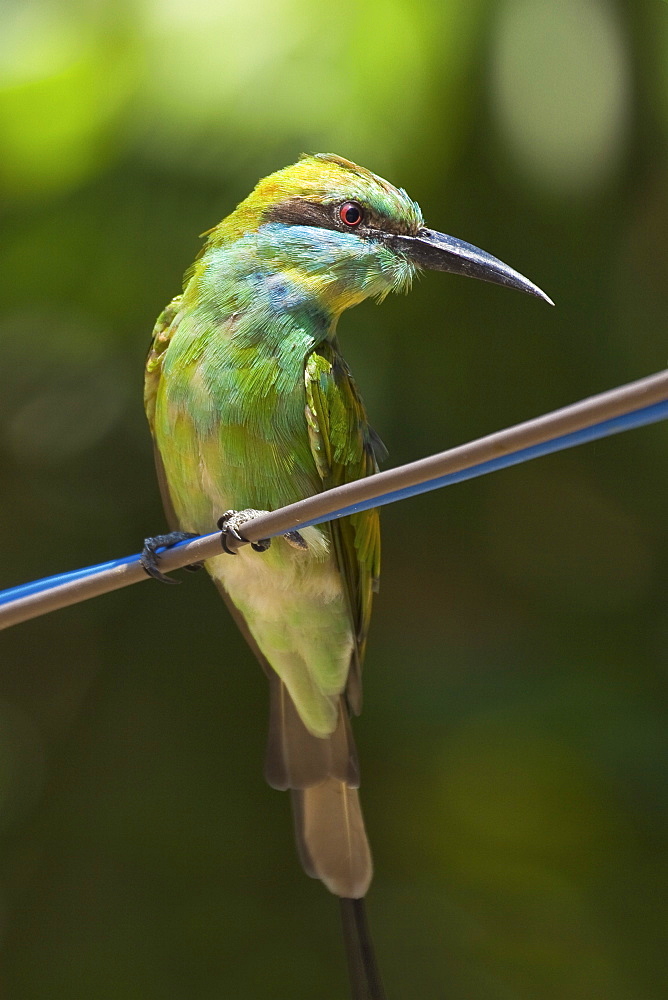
(593, 410)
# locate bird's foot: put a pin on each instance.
(231, 539)
(229, 524)
(149, 557)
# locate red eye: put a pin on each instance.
(351, 214)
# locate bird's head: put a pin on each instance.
(347, 234)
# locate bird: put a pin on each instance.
(252, 406)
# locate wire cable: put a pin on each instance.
(634, 405)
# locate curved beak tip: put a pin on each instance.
(540, 294)
(439, 252)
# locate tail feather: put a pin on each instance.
(323, 775)
(298, 759)
(331, 838)
(365, 981)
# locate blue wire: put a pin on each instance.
(636, 418)
(48, 582)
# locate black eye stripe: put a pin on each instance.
(301, 212)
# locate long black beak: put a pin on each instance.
(439, 252)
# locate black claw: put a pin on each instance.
(193, 567)
(227, 531)
(149, 558)
(262, 545)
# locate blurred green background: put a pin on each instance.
(514, 740)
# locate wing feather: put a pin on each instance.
(164, 328)
(343, 447)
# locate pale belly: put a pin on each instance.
(292, 600)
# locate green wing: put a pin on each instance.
(343, 448)
(163, 330)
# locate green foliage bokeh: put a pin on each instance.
(513, 741)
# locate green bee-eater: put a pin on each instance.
(252, 407)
